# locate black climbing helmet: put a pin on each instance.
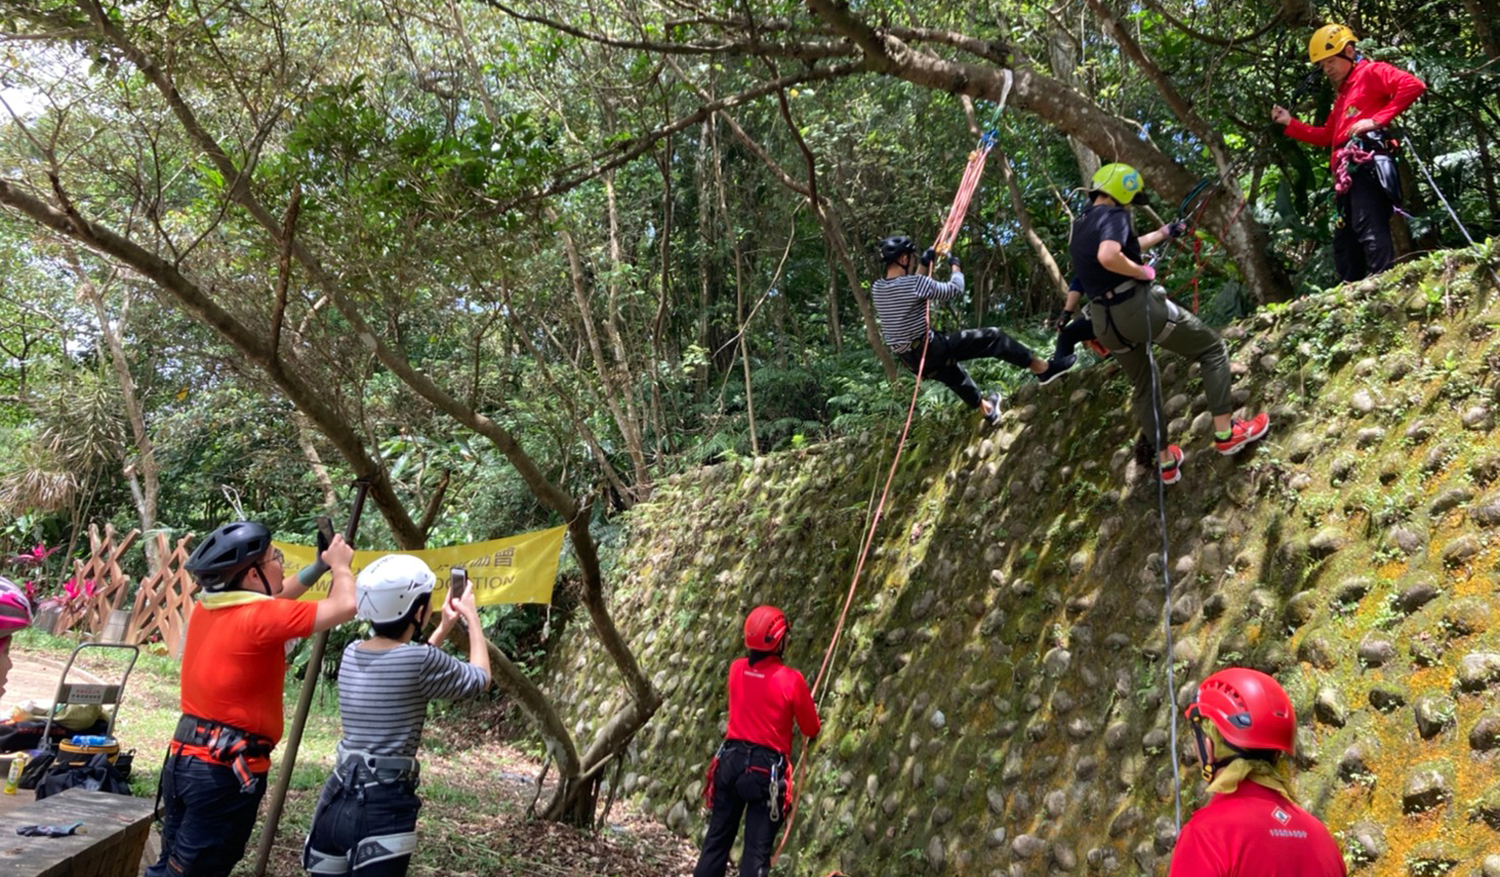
(896, 246)
(227, 552)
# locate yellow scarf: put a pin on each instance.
(225, 599)
(1276, 777)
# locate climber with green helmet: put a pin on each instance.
(1129, 314)
(1368, 96)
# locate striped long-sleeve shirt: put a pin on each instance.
(383, 695)
(900, 303)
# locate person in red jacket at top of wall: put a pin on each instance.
(1245, 730)
(750, 776)
(1368, 95)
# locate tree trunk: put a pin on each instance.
(1028, 230)
(632, 428)
(1487, 169)
(739, 295)
(705, 250)
(315, 461)
(1062, 54)
(835, 330)
(144, 474)
(1483, 13)
(612, 391)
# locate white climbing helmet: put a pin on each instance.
(387, 588)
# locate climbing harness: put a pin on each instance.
(970, 182)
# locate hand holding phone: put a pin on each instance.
(458, 583)
(325, 533)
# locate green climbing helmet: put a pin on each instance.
(1119, 181)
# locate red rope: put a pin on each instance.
(966, 186)
(859, 569)
(1198, 247)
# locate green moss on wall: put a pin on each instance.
(999, 702)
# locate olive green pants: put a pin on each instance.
(1124, 329)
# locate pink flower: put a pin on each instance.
(30, 590)
(35, 557)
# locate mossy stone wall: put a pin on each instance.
(999, 704)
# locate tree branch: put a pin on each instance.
(1200, 36)
(629, 150)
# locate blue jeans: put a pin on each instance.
(206, 819)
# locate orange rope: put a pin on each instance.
(859, 568)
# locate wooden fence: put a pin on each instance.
(163, 601)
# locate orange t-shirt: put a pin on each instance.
(234, 665)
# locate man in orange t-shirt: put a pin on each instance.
(233, 667)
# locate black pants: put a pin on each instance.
(742, 787)
(1362, 239)
(947, 349)
(363, 827)
(1078, 331)
(206, 818)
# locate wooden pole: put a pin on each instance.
(304, 703)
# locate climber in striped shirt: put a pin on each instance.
(901, 299)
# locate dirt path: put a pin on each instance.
(476, 786)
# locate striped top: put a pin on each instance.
(899, 303)
(383, 695)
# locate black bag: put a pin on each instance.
(36, 768)
(95, 775)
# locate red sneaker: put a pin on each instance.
(1242, 433)
(1171, 473)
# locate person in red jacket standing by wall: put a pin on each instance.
(749, 776)
(1368, 95)
(1245, 729)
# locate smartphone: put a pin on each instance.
(325, 534)
(458, 583)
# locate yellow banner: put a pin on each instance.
(517, 569)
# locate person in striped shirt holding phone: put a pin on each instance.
(366, 819)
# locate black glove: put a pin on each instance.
(1063, 318)
(1177, 228)
(928, 257)
(952, 261)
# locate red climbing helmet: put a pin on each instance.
(1250, 709)
(765, 629)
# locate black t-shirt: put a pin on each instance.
(1099, 223)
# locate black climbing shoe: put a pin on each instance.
(1055, 368)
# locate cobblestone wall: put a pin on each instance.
(1000, 703)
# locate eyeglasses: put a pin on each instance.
(276, 555)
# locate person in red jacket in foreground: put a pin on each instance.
(1245, 728)
(750, 776)
(1368, 95)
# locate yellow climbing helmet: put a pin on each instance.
(1119, 181)
(1327, 41)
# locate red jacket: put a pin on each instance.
(764, 699)
(1255, 832)
(1373, 90)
